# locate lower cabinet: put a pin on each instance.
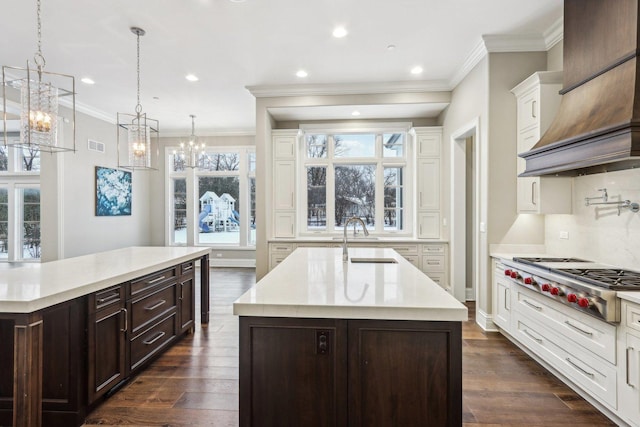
(338, 372)
(629, 361)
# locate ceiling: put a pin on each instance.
(233, 44)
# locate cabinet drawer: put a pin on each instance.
(413, 259)
(152, 306)
(439, 278)
(406, 249)
(592, 374)
(433, 249)
(281, 247)
(149, 342)
(577, 329)
(433, 263)
(187, 267)
(108, 297)
(155, 279)
(633, 316)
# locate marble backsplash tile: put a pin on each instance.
(597, 232)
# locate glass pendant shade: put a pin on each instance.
(139, 134)
(191, 154)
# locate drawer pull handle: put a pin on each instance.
(126, 320)
(627, 371)
(154, 306)
(532, 305)
(181, 291)
(151, 282)
(189, 267)
(589, 374)
(109, 298)
(433, 262)
(578, 329)
(530, 335)
(154, 339)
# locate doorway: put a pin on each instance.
(465, 178)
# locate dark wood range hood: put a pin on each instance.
(597, 127)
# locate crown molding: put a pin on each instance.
(266, 91)
(554, 34)
(88, 110)
(177, 133)
(474, 57)
(514, 43)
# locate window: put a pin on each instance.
(20, 237)
(223, 191)
(361, 174)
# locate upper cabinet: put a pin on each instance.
(537, 103)
(284, 184)
(428, 147)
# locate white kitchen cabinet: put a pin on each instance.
(428, 181)
(434, 262)
(501, 297)
(537, 101)
(629, 364)
(284, 183)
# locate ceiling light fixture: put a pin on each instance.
(191, 77)
(417, 70)
(355, 113)
(87, 81)
(340, 32)
(391, 47)
(191, 155)
(302, 73)
(39, 102)
(141, 132)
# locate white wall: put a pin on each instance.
(79, 230)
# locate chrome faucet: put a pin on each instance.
(345, 250)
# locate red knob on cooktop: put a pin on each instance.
(514, 274)
(529, 281)
(556, 291)
(507, 272)
(584, 302)
(545, 287)
(572, 298)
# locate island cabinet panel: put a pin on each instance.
(338, 372)
(64, 343)
(293, 372)
(405, 373)
(186, 298)
(108, 324)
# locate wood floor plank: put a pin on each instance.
(195, 383)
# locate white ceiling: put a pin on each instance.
(230, 45)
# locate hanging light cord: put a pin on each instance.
(38, 57)
(138, 106)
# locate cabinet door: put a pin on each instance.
(284, 147)
(528, 110)
(528, 192)
(284, 185)
(107, 364)
(630, 381)
(429, 144)
(428, 184)
(428, 225)
(283, 224)
(503, 303)
(404, 373)
(292, 360)
(186, 304)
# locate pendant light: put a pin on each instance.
(40, 92)
(191, 154)
(139, 132)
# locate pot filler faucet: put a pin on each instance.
(345, 250)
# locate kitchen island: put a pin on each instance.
(94, 320)
(330, 343)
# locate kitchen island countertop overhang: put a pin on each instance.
(316, 283)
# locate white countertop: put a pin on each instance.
(629, 296)
(315, 283)
(36, 286)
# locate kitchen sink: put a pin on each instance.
(374, 260)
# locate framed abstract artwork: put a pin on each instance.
(113, 192)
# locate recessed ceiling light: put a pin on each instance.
(87, 81)
(302, 73)
(339, 32)
(417, 70)
(391, 47)
(355, 113)
(237, 1)
(191, 77)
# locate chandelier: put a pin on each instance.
(40, 92)
(191, 155)
(139, 132)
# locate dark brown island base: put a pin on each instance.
(327, 343)
(73, 331)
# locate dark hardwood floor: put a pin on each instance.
(195, 383)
